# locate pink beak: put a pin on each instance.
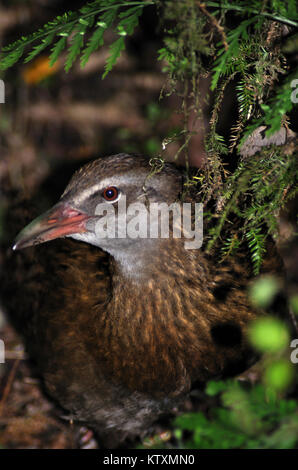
(57, 222)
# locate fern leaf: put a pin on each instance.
(225, 57)
(126, 26)
(57, 25)
(79, 20)
(116, 49)
(78, 41)
(74, 50)
(11, 58)
(256, 243)
(96, 39)
(131, 12)
(40, 47)
(56, 50)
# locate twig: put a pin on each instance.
(215, 23)
(218, 101)
(9, 383)
(245, 9)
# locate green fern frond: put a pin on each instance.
(256, 243)
(227, 59)
(57, 26)
(96, 40)
(78, 22)
(56, 50)
(116, 48)
(40, 47)
(12, 57)
(274, 111)
(230, 246)
(77, 41)
(129, 20)
(283, 12)
(74, 50)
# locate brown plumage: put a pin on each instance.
(120, 335)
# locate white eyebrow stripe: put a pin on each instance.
(112, 181)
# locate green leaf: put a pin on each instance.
(279, 375)
(74, 50)
(96, 39)
(215, 387)
(226, 57)
(129, 20)
(191, 421)
(62, 26)
(256, 243)
(269, 335)
(11, 58)
(57, 49)
(56, 26)
(115, 49)
(40, 47)
(77, 42)
(263, 290)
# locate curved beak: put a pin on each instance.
(59, 221)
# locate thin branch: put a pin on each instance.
(215, 23)
(246, 9)
(9, 383)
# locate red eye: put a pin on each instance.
(110, 194)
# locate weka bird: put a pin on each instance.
(121, 328)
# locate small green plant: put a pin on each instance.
(245, 418)
(254, 193)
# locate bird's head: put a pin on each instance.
(94, 199)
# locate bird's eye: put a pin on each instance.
(111, 194)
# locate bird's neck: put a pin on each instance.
(139, 264)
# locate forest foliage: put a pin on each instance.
(242, 41)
